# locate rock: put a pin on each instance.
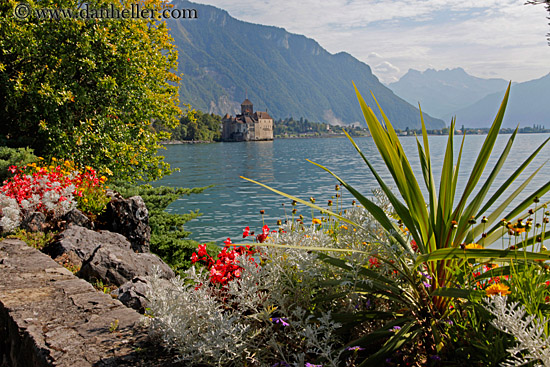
(79, 243)
(34, 222)
(117, 265)
(104, 256)
(48, 317)
(132, 294)
(130, 218)
(77, 217)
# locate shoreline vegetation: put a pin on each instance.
(360, 132)
(198, 127)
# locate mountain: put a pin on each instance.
(223, 58)
(527, 105)
(441, 92)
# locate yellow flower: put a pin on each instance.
(344, 227)
(108, 171)
(316, 221)
(519, 230)
(473, 246)
(498, 288)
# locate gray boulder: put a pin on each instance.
(34, 222)
(130, 218)
(133, 294)
(117, 265)
(77, 217)
(105, 256)
(79, 243)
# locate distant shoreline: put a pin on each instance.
(411, 134)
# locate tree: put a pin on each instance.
(88, 89)
(547, 2)
(197, 125)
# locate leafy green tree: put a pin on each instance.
(88, 89)
(197, 125)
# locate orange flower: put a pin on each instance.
(316, 221)
(498, 288)
(473, 246)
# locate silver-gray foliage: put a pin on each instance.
(533, 345)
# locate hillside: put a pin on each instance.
(442, 92)
(287, 74)
(528, 105)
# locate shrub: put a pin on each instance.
(169, 239)
(14, 157)
(267, 303)
(437, 239)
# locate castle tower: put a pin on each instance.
(247, 107)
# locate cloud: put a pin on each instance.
(482, 36)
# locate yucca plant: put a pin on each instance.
(450, 230)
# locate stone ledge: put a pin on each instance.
(49, 317)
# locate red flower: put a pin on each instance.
(194, 258)
(262, 237)
(374, 262)
(246, 231)
(414, 246)
(227, 241)
(202, 250)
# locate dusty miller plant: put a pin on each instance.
(9, 213)
(533, 345)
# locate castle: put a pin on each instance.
(248, 126)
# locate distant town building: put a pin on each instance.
(248, 126)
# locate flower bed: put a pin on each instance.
(53, 189)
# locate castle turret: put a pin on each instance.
(247, 108)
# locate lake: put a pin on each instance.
(235, 203)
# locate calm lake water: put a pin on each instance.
(235, 203)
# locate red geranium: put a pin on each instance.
(226, 267)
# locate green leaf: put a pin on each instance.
(478, 254)
(459, 293)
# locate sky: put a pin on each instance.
(488, 38)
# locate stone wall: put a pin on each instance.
(49, 317)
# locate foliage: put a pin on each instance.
(53, 188)
(291, 127)
(14, 157)
(169, 239)
(432, 246)
(197, 125)
(531, 332)
(38, 240)
(88, 89)
(275, 312)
